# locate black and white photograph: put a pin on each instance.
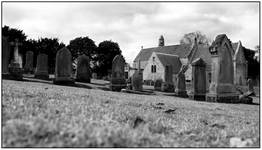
(130, 74)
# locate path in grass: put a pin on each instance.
(45, 115)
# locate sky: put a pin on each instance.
(134, 24)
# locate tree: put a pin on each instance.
(106, 52)
(83, 45)
(13, 34)
(189, 38)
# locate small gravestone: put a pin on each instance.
(41, 71)
(158, 84)
(168, 85)
(118, 80)
(5, 55)
(94, 75)
(28, 68)
(222, 87)
(180, 90)
(250, 86)
(15, 67)
(137, 79)
(83, 72)
(63, 67)
(198, 80)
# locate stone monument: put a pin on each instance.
(15, 67)
(222, 87)
(63, 67)
(41, 71)
(180, 89)
(118, 80)
(137, 79)
(198, 80)
(168, 85)
(28, 68)
(83, 72)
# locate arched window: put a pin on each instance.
(152, 68)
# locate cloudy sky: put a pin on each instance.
(134, 24)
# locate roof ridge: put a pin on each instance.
(164, 54)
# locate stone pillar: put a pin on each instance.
(198, 80)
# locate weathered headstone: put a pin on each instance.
(240, 65)
(168, 85)
(28, 68)
(118, 80)
(83, 72)
(63, 67)
(15, 67)
(94, 75)
(5, 55)
(181, 85)
(41, 71)
(222, 87)
(157, 84)
(250, 85)
(137, 79)
(198, 80)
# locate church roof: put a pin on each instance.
(173, 60)
(179, 50)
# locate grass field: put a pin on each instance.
(38, 114)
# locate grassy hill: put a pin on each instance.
(38, 114)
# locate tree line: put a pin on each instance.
(100, 56)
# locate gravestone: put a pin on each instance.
(168, 85)
(28, 68)
(240, 65)
(63, 67)
(15, 67)
(94, 75)
(137, 79)
(157, 85)
(181, 85)
(41, 71)
(118, 80)
(5, 55)
(198, 80)
(250, 85)
(222, 87)
(83, 72)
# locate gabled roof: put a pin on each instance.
(173, 60)
(180, 50)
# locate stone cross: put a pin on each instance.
(16, 44)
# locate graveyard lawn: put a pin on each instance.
(45, 115)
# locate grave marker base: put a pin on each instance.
(222, 98)
(197, 97)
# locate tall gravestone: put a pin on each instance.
(83, 72)
(222, 87)
(137, 79)
(41, 71)
(180, 89)
(118, 80)
(168, 85)
(5, 55)
(63, 67)
(15, 67)
(28, 68)
(198, 80)
(250, 86)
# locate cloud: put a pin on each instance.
(134, 24)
